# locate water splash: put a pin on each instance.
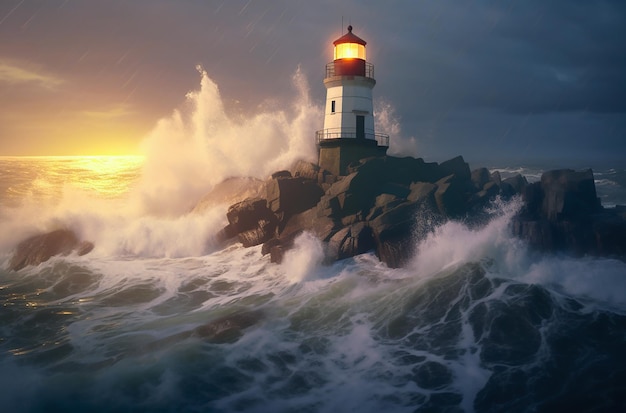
(193, 150)
(388, 122)
(301, 262)
(454, 243)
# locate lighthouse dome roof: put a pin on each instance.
(349, 38)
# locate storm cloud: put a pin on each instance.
(489, 80)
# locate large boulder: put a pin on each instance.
(451, 196)
(563, 213)
(290, 195)
(350, 241)
(353, 194)
(514, 184)
(252, 222)
(42, 247)
(313, 172)
(480, 177)
(569, 194)
(457, 167)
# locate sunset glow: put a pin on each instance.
(95, 78)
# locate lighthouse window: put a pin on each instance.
(332, 106)
(349, 51)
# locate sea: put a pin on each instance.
(160, 317)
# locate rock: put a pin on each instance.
(401, 171)
(292, 195)
(348, 196)
(251, 221)
(518, 183)
(277, 247)
(486, 194)
(382, 204)
(451, 197)
(421, 191)
(40, 248)
(306, 170)
(84, 248)
(568, 194)
(322, 227)
(495, 177)
(350, 241)
(281, 174)
(393, 234)
(456, 166)
(609, 232)
(563, 213)
(388, 204)
(225, 233)
(480, 177)
(246, 214)
(262, 232)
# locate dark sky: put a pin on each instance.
(491, 80)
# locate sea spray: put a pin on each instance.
(454, 243)
(386, 121)
(193, 150)
(301, 262)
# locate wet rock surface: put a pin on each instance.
(42, 247)
(386, 204)
(563, 213)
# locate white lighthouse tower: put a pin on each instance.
(348, 133)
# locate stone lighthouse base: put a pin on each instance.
(336, 154)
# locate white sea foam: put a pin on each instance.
(599, 280)
(454, 243)
(196, 148)
(301, 262)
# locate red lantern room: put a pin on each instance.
(349, 55)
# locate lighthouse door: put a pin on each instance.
(360, 127)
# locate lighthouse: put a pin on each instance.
(348, 133)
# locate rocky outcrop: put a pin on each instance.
(42, 247)
(563, 213)
(251, 221)
(384, 204)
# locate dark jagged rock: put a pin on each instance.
(350, 241)
(40, 248)
(569, 194)
(393, 233)
(252, 222)
(281, 174)
(563, 213)
(457, 167)
(290, 195)
(517, 184)
(480, 177)
(451, 196)
(388, 204)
